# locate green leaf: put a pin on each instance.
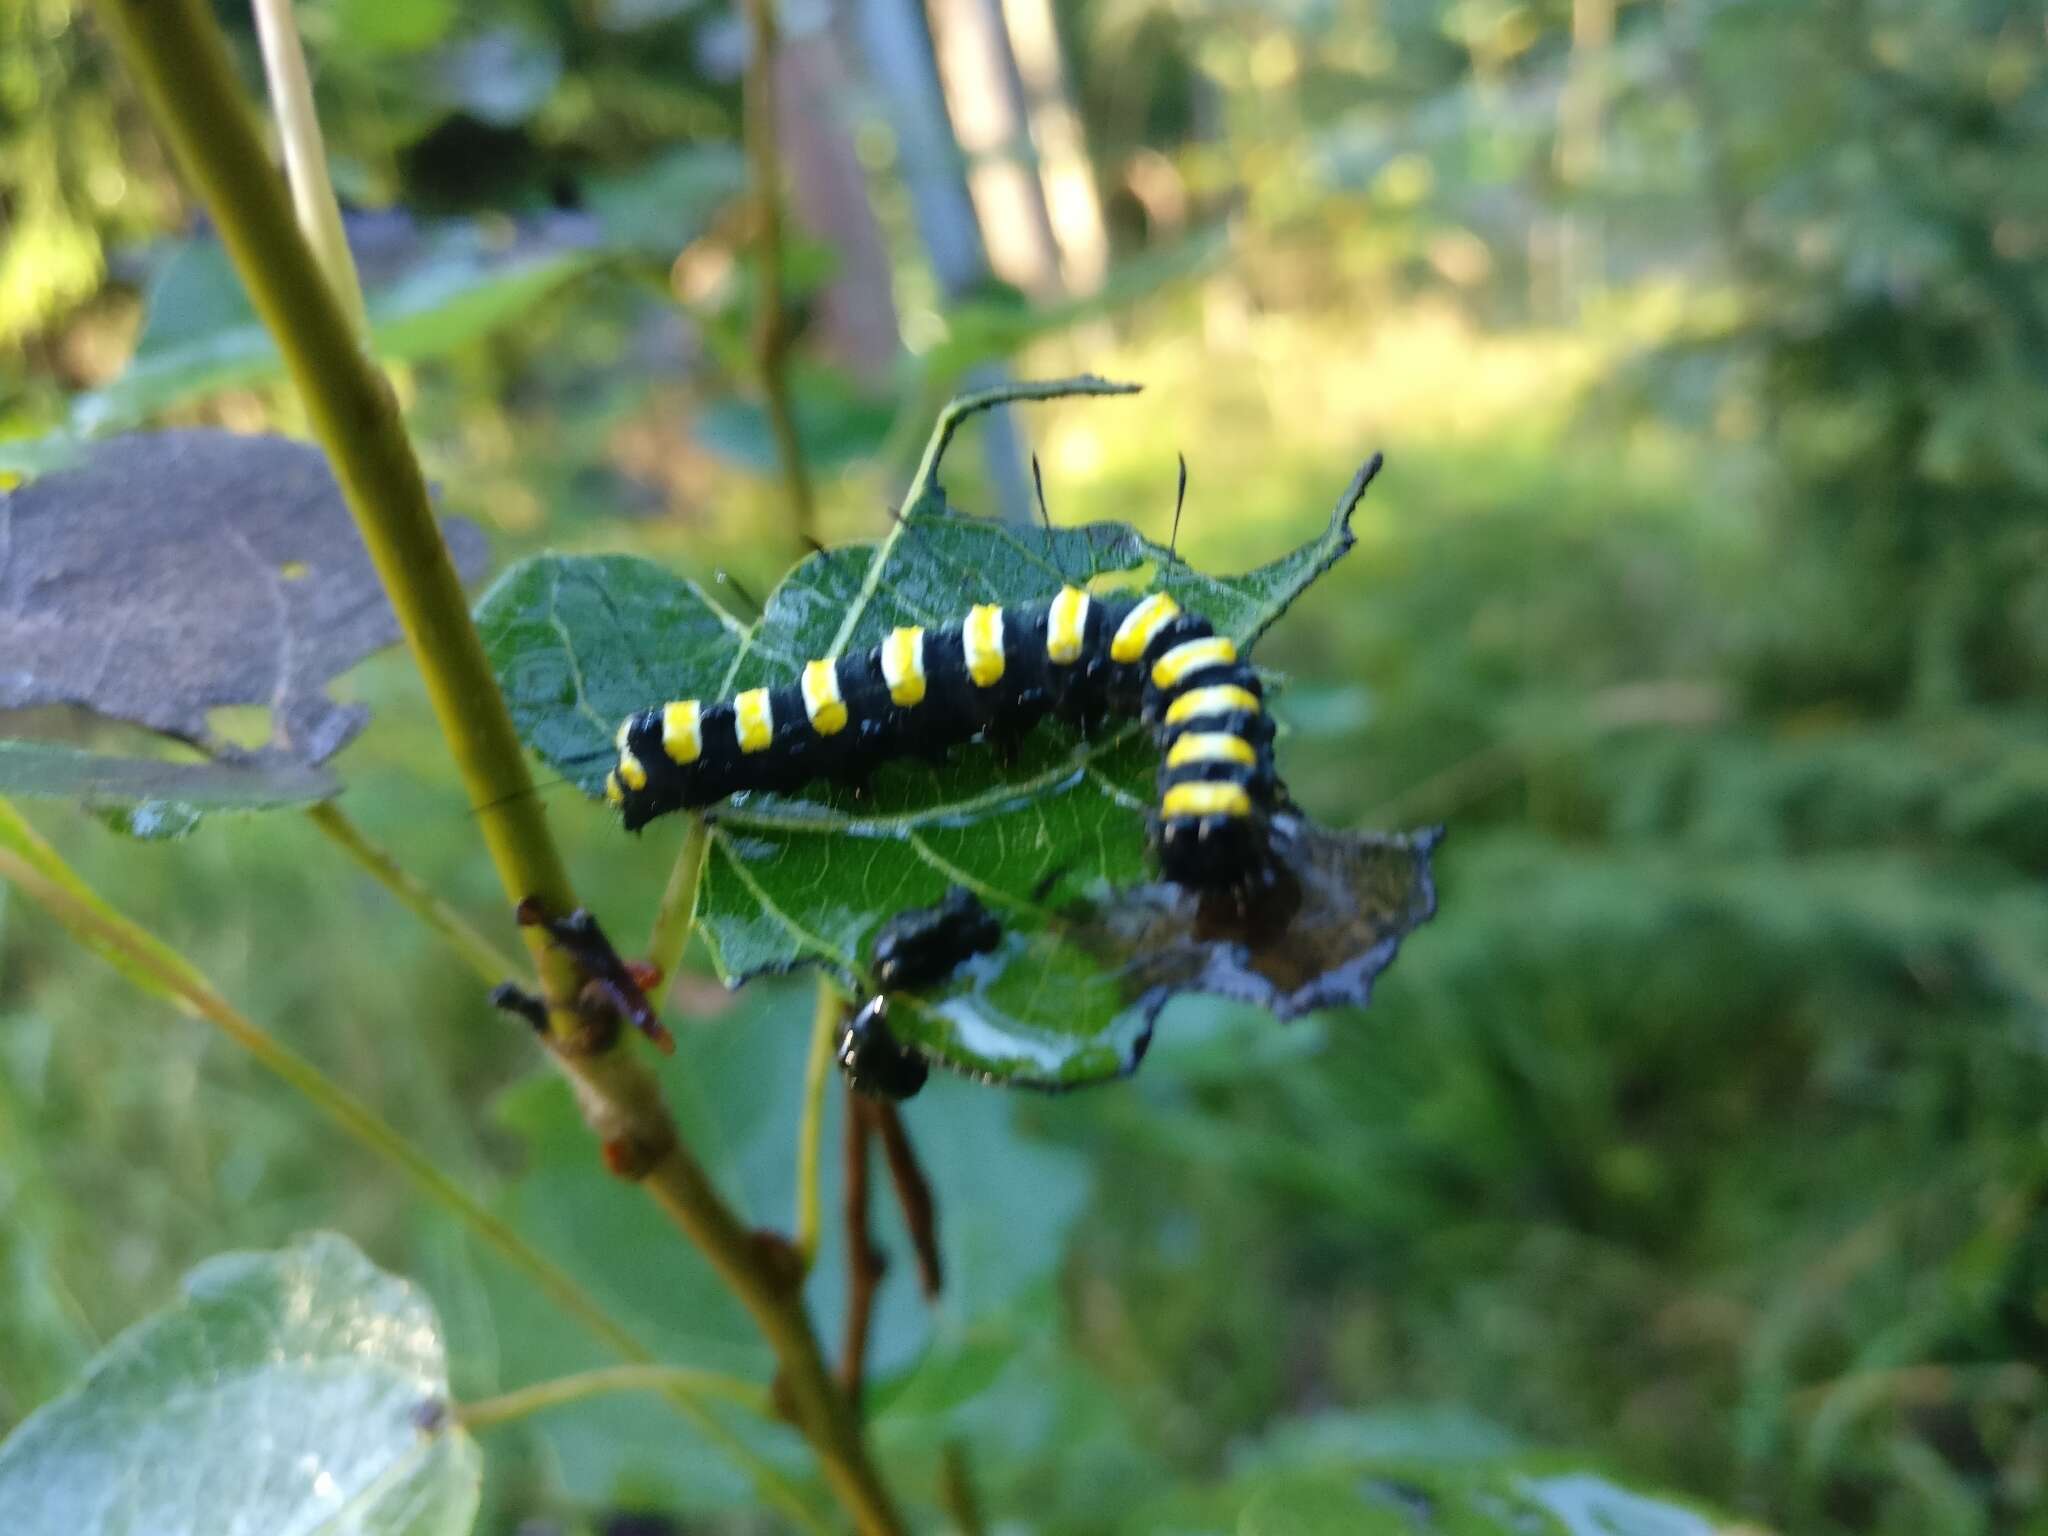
(501, 76)
(1395, 1500)
(379, 28)
(580, 642)
(430, 288)
(39, 770)
(1423, 1472)
(297, 1391)
(658, 208)
(835, 425)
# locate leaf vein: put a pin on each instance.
(754, 887)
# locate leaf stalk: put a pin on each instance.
(676, 917)
(810, 1130)
(522, 1402)
(489, 962)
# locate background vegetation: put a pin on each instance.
(1705, 598)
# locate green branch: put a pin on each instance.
(676, 917)
(305, 156)
(489, 962)
(810, 1129)
(521, 1402)
(175, 52)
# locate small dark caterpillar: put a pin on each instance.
(1077, 656)
(914, 950)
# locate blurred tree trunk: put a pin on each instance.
(1066, 176)
(985, 96)
(895, 39)
(829, 199)
(1581, 115)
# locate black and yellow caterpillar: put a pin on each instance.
(1000, 670)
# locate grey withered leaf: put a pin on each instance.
(167, 575)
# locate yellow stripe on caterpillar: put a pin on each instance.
(754, 720)
(1192, 656)
(1066, 626)
(1210, 747)
(682, 730)
(631, 773)
(614, 791)
(1222, 699)
(822, 701)
(1189, 800)
(981, 643)
(903, 666)
(1140, 625)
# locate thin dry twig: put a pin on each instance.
(956, 1489)
(865, 1263)
(913, 1194)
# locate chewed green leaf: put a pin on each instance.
(1072, 996)
(303, 1390)
(580, 643)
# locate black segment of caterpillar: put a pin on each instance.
(1077, 656)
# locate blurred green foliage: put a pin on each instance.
(1705, 597)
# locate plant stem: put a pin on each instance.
(305, 156)
(677, 914)
(810, 1130)
(543, 1395)
(167, 970)
(958, 410)
(174, 51)
(771, 1291)
(956, 1489)
(913, 1195)
(485, 958)
(33, 866)
(771, 316)
(864, 1261)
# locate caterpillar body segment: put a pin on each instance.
(996, 672)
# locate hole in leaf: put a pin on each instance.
(1139, 578)
(246, 726)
